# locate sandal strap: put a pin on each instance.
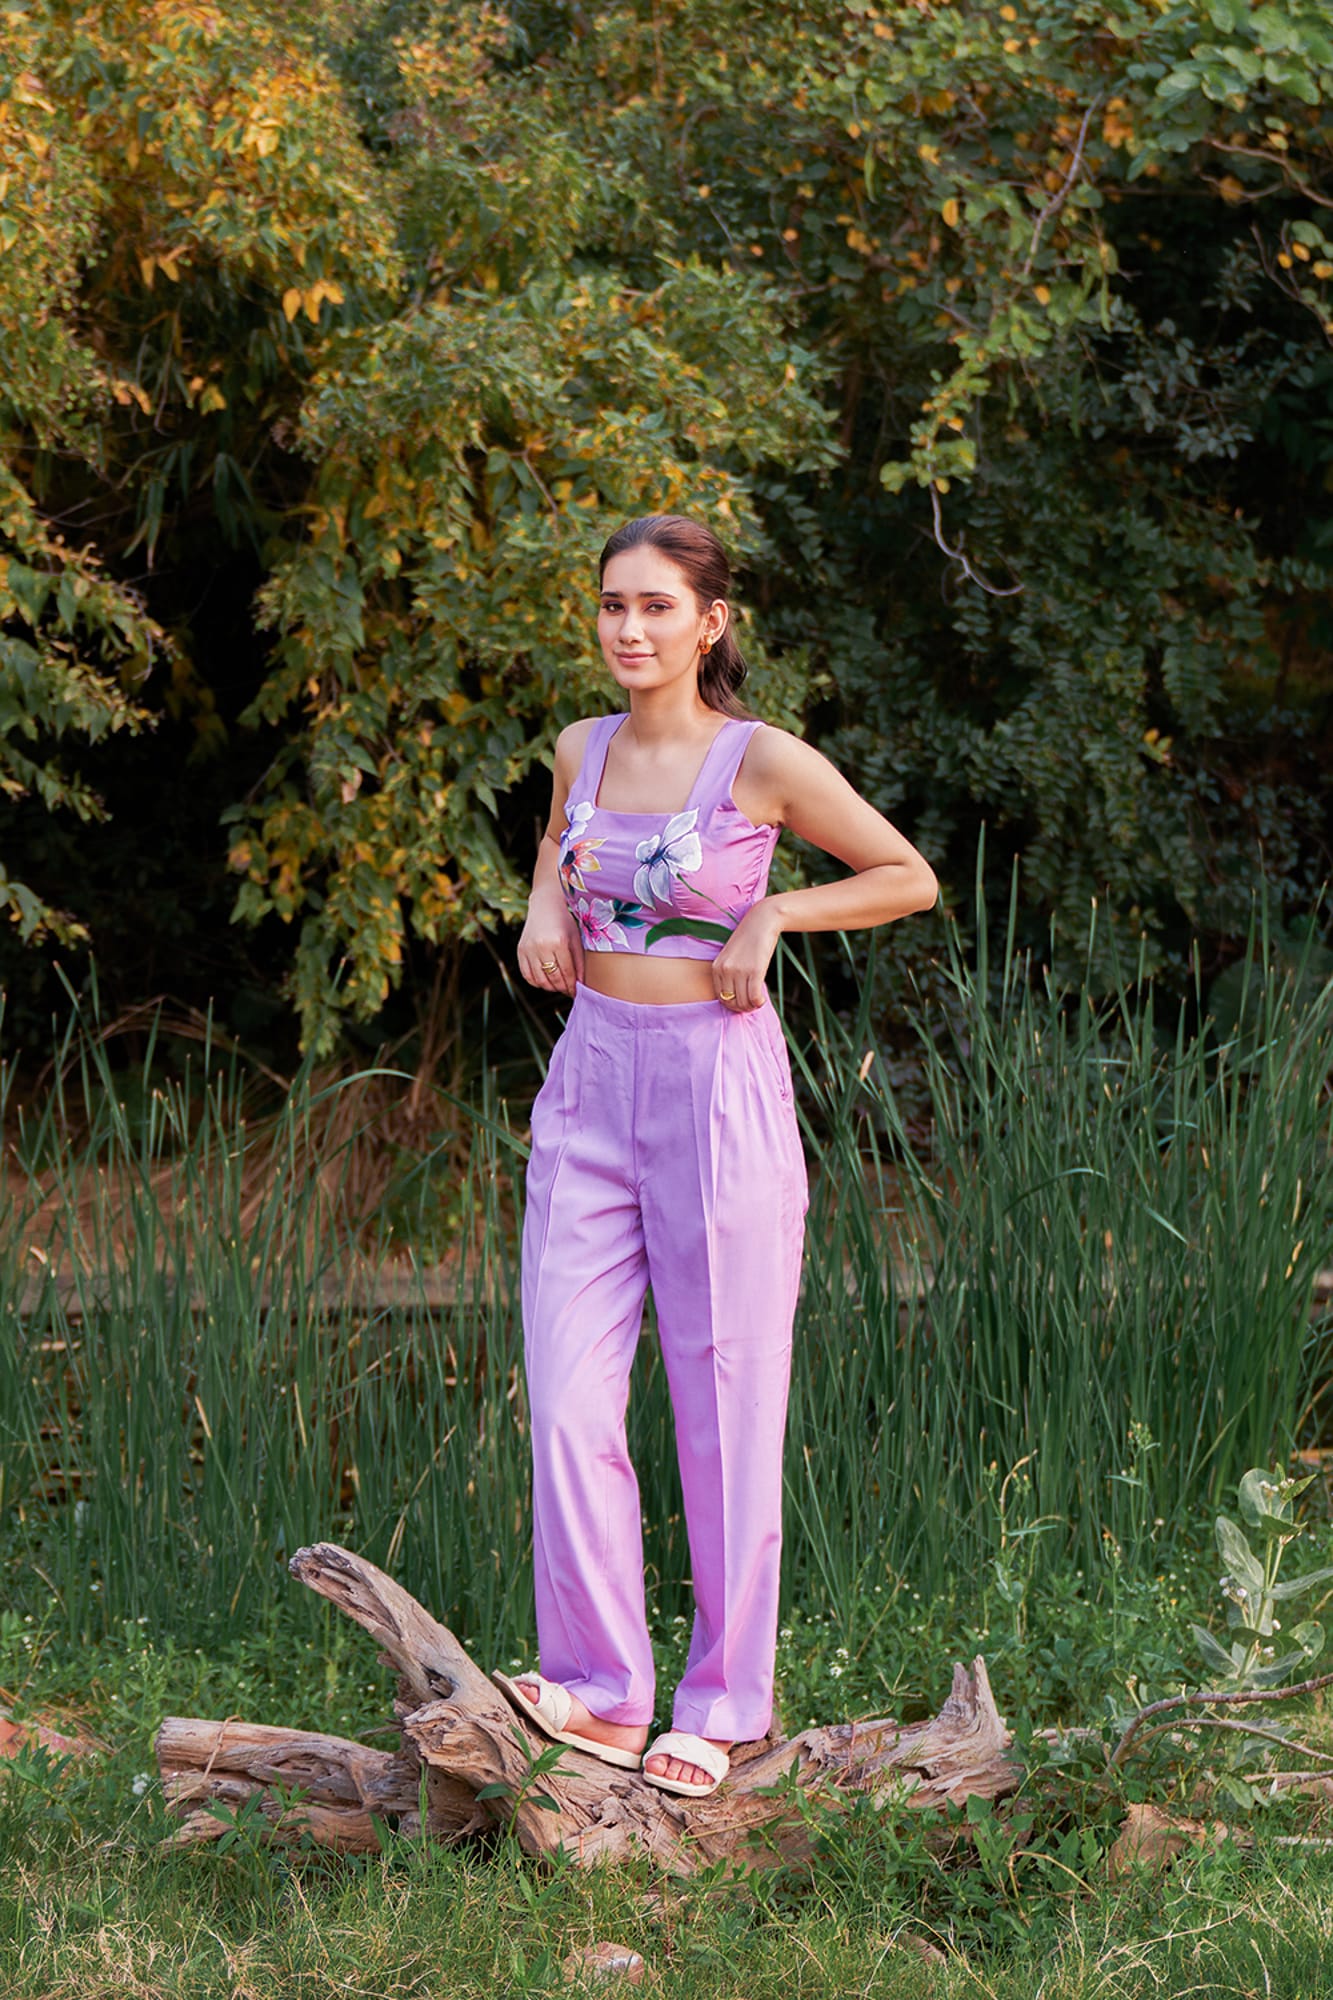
(696, 1750)
(556, 1700)
(554, 1703)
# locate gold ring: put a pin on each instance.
(547, 964)
(726, 996)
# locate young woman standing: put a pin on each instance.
(665, 1148)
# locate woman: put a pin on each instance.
(665, 1148)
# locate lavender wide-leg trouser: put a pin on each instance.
(664, 1148)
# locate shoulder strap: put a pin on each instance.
(724, 759)
(588, 779)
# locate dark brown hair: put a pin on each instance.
(700, 556)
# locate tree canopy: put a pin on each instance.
(994, 340)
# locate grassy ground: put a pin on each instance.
(1120, 1226)
(94, 1902)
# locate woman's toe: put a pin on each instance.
(679, 1773)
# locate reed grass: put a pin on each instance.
(1072, 1309)
(1100, 1302)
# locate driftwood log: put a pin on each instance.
(459, 1738)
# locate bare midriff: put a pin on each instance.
(663, 982)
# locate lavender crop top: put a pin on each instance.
(673, 884)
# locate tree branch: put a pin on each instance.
(1061, 195)
(1209, 1700)
(956, 555)
(1244, 1728)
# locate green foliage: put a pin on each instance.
(61, 621)
(437, 621)
(153, 231)
(1216, 1743)
(91, 1885)
(995, 341)
(1090, 1258)
(1254, 1592)
(1091, 1288)
(1019, 1892)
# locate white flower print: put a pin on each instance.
(676, 850)
(576, 853)
(598, 922)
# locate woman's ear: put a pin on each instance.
(716, 619)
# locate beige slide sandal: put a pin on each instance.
(552, 1710)
(689, 1750)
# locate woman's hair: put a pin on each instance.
(697, 552)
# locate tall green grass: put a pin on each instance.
(1102, 1279)
(1074, 1303)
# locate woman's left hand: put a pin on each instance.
(740, 966)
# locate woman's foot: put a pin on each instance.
(582, 1722)
(682, 1773)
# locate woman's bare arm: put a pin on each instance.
(789, 781)
(550, 950)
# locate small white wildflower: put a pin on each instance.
(139, 1784)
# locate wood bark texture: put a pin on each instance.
(459, 1737)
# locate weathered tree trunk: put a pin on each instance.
(459, 1736)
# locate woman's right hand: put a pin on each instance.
(550, 950)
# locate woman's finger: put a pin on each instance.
(564, 978)
(540, 966)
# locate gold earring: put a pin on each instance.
(705, 645)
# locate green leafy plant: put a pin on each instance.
(1254, 1591)
(1253, 1668)
(526, 1791)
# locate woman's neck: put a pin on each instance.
(664, 715)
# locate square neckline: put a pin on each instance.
(612, 813)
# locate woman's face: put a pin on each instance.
(650, 622)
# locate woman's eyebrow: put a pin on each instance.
(641, 593)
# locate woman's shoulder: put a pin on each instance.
(573, 738)
(779, 770)
(771, 751)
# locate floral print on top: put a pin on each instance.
(670, 883)
(673, 852)
(604, 920)
(578, 855)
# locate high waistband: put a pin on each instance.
(643, 1014)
